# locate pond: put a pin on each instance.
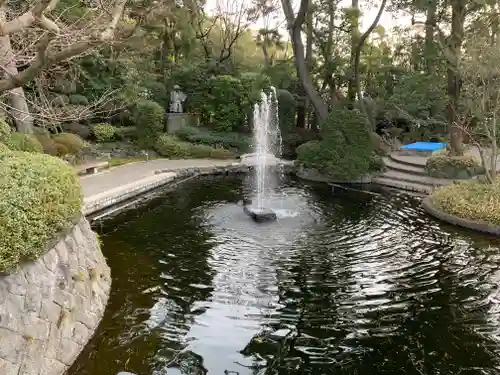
(342, 283)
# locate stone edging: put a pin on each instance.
(478, 226)
(105, 200)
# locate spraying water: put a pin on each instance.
(267, 144)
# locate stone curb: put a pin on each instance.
(117, 195)
(478, 226)
(107, 199)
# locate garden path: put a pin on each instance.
(129, 173)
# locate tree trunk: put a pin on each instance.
(301, 112)
(309, 59)
(18, 106)
(453, 74)
(429, 50)
(357, 58)
(295, 30)
(495, 24)
(351, 88)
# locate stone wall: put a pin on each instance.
(50, 308)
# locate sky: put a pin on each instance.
(387, 20)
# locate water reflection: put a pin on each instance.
(350, 285)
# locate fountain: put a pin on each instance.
(266, 156)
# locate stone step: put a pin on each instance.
(405, 168)
(419, 179)
(403, 185)
(414, 161)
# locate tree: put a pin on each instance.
(480, 107)
(51, 43)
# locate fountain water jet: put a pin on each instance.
(266, 156)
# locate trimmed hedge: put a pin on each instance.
(23, 142)
(214, 139)
(471, 199)
(39, 196)
(171, 147)
(69, 144)
(48, 144)
(453, 167)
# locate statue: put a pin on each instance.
(177, 97)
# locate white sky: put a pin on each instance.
(387, 20)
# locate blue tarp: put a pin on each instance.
(425, 146)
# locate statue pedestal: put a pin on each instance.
(175, 121)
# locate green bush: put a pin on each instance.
(23, 142)
(147, 116)
(69, 142)
(287, 108)
(453, 167)
(227, 110)
(214, 139)
(125, 133)
(4, 130)
(103, 132)
(345, 151)
(471, 199)
(171, 147)
(40, 195)
(187, 132)
(200, 151)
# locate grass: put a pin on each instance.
(472, 200)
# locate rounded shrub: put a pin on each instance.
(48, 144)
(5, 130)
(470, 199)
(345, 151)
(453, 167)
(40, 195)
(73, 144)
(103, 132)
(171, 147)
(24, 142)
(147, 116)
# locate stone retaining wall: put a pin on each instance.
(50, 308)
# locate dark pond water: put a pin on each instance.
(342, 284)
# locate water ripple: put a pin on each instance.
(338, 285)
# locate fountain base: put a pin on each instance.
(260, 215)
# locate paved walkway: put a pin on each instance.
(130, 173)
